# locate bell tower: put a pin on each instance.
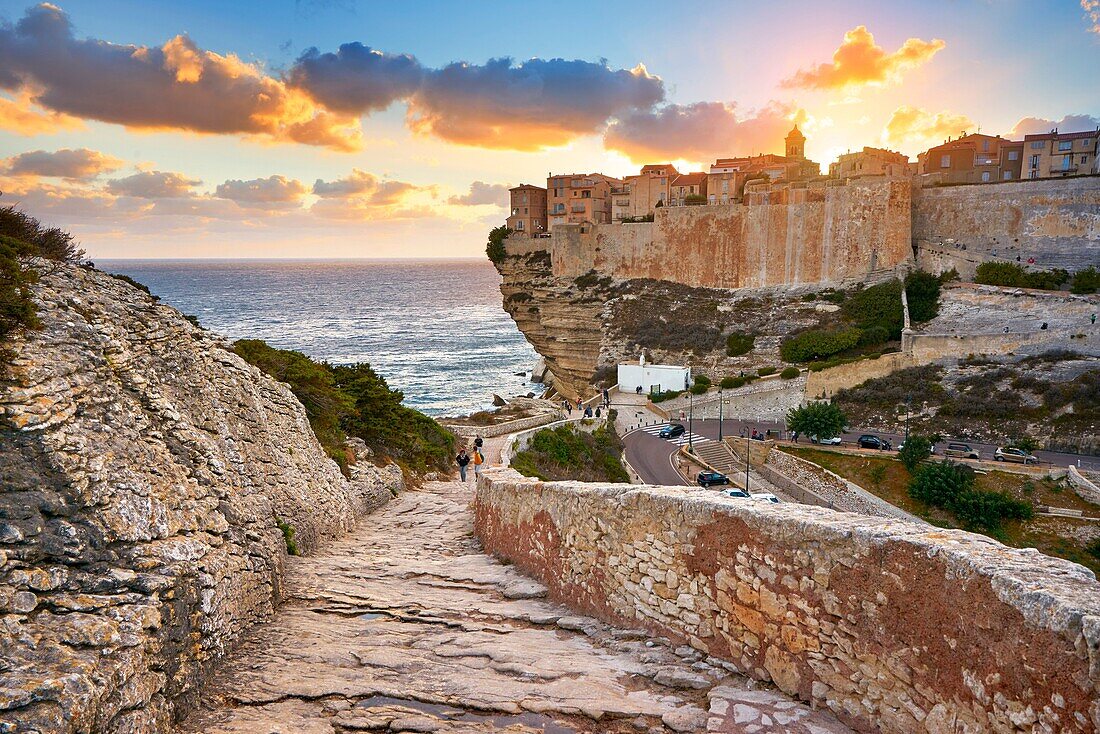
(796, 144)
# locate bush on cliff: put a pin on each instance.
(23, 240)
(950, 486)
(494, 250)
(738, 344)
(789, 373)
(1085, 281)
(915, 451)
(353, 400)
(1012, 275)
(565, 453)
(818, 344)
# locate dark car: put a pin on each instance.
(711, 478)
(867, 441)
(672, 431)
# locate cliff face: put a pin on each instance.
(143, 470)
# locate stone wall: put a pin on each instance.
(1054, 221)
(143, 470)
(840, 493)
(782, 235)
(501, 429)
(894, 626)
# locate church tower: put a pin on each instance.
(796, 144)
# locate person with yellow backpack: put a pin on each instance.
(479, 460)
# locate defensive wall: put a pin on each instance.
(1055, 222)
(894, 626)
(781, 235)
(837, 232)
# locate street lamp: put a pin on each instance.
(691, 418)
(719, 414)
(748, 448)
(908, 410)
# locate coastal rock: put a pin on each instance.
(144, 469)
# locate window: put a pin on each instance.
(1013, 155)
(1065, 145)
(1007, 175)
(1086, 143)
(985, 145)
(945, 161)
(1037, 145)
(1084, 159)
(515, 212)
(1066, 161)
(1034, 161)
(725, 186)
(985, 176)
(519, 224)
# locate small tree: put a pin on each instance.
(789, 373)
(823, 420)
(495, 248)
(1025, 443)
(915, 451)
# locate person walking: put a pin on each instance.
(606, 398)
(478, 443)
(597, 411)
(479, 460)
(462, 460)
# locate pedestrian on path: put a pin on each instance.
(462, 460)
(606, 398)
(479, 460)
(478, 443)
(597, 411)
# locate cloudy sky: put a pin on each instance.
(335, 128)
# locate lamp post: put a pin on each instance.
(748, 448)
(719, 415)
(908, 401)
(691, 418)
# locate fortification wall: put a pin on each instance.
(894, 626)
(1054, 221)
(780, 236)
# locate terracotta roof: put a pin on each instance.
(659, 166)
(527, 186)
(689, 179)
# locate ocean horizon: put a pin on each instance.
(433, 327)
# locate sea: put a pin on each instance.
(435, 329)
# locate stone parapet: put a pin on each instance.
(894, 626)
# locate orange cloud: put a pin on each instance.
(699, 132)
(20, 117)
(80, 164)
(860, 62)
(175, 87)
(915, 126)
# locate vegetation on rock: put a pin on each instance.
(738, 344)
(568, 453)
(950, 486)
(1016, 276)
(916, 451)
(353, 400)
(789, 373)
(494, 249)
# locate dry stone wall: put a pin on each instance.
(894, 626)
(143, 470)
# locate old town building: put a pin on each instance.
(1055, 154)
(527, 209)
(689, 188)
(576, 198)
(640, 195)
(870, 162)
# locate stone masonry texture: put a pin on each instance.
(143, 469)
(895, 627)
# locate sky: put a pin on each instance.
(344, 129)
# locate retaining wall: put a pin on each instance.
(896, 627)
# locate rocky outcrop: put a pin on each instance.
(894, 626)
(147, 478)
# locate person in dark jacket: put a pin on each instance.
(462, 460)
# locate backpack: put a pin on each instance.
(478, 458)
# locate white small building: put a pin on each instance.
(653, 377)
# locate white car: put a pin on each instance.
(766, 497)
(834, 441)
(1007, 453)
(738, 493)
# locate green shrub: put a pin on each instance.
(817, 344)
(702, 380)
(288, 536)
(494, 250)
(564, 453)
(822, 419)
(765, 371)
(353, 400)
(698, 389)
(1085, 281)
(728, 383)
(1015, 276)
(922, 292)
(939, 483)
(694, 199)
(789, 373)
(660, 397)
(873, 336)
(879, 305)
(738, 344)
(140, 286)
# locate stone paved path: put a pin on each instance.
(405, 626)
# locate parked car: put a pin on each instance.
(1007, 453)
(931, 447)
(766, 497)
(738, 493)
(672, 430)
(711, 478)
(834, 441)
(961, 451)
(869, 441)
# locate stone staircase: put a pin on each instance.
(717, 455)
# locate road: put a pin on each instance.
(651, 456)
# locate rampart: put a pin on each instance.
(781, 235)
(1055, 222)
(894, 626)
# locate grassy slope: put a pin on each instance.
(1062, 537)
(564, 453)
